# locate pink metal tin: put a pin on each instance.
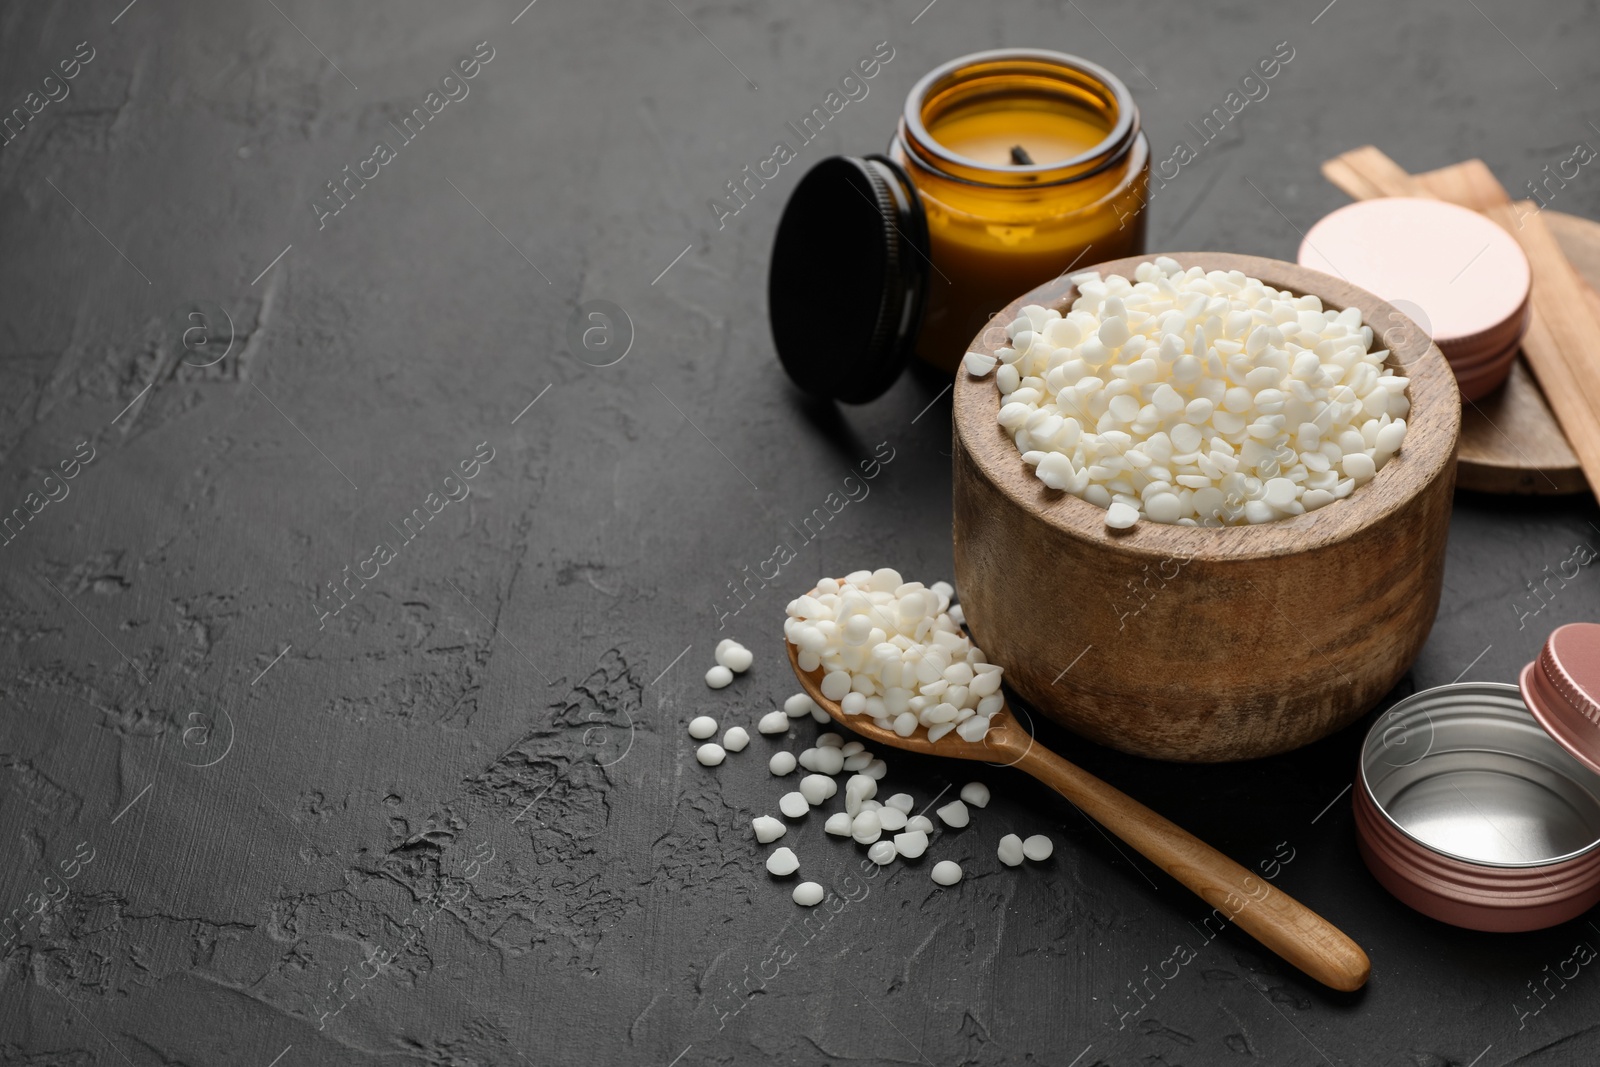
(1479, 804)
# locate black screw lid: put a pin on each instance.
(849, 268)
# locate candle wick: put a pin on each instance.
(1019, 156)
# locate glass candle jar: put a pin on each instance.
(1027, 163)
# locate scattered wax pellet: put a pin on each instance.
(1010, 850)
(734, 656)
(735, 738)
(882, 853)
(891, 819)
(799, 706)
(782, 862)
(718, 676)
(781, 763)
(902, 801)
(976, 794)
(702, 727)
(808, 894)
(793, 805)
(911, 844)
(831, 740)
(839, 824)
(710, 754)
(920, 822)
(866, 828)
(817, 788)
(954, 814)
(767, 828)
(1038, 848)
(945, 872)
(773, 722)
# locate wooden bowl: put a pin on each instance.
(1206, 644)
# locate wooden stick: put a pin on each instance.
(1565, 320)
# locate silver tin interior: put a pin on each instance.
(1466, 771)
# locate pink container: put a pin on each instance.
(1479, 804)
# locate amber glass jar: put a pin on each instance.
(1028, 163)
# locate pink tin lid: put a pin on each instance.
(1562, 690)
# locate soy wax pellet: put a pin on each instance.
(735, 738)
(793, 805)
(783, 862)
(702, 727)
(1038, 848)
(808, 894)
(976, 794)
(1010, 850)
(882, 853)
(718, 677)
(911, 844)
(767, 828)
(773, 722)
(817, 788)
(710, 754)
(954, 814)
(947, 872)
(781, 763)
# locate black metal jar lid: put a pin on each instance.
(848, 273)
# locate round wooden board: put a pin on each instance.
(1510, 442)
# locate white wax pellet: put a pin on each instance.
(735, 738)
(818, 715)
(773, 722)
(808, 894)
(781, 763)
(702, 727)
(839, 824)
(782, 862)
(911, 844)
(891, 819)
(851, 748)
(1037, 847)
(793, 805)
(876, 769)
(866, 828)
(835, 684)
(882, 852)
(976, 794)
(718, 676)
(921, 823)
(829, 739)
(978, 364)
(947, 872)
(799, 706)
(829, 761)
(1010, 850)
(1121, 516)
(710, 754)
(767, 828)
(954, 814)
(973, 729)
(817, 788)
(902, 801)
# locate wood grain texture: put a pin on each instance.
(1277, 920)
(1511, 441)
(1199, 644)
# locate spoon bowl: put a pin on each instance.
(1281, 923)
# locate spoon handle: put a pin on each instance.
(1272, 917)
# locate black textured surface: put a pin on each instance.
(476, 776)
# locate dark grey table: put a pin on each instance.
(458, 819)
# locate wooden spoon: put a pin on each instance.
(1274, 918)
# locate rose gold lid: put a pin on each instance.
(1562, 690)
(1467, 275)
